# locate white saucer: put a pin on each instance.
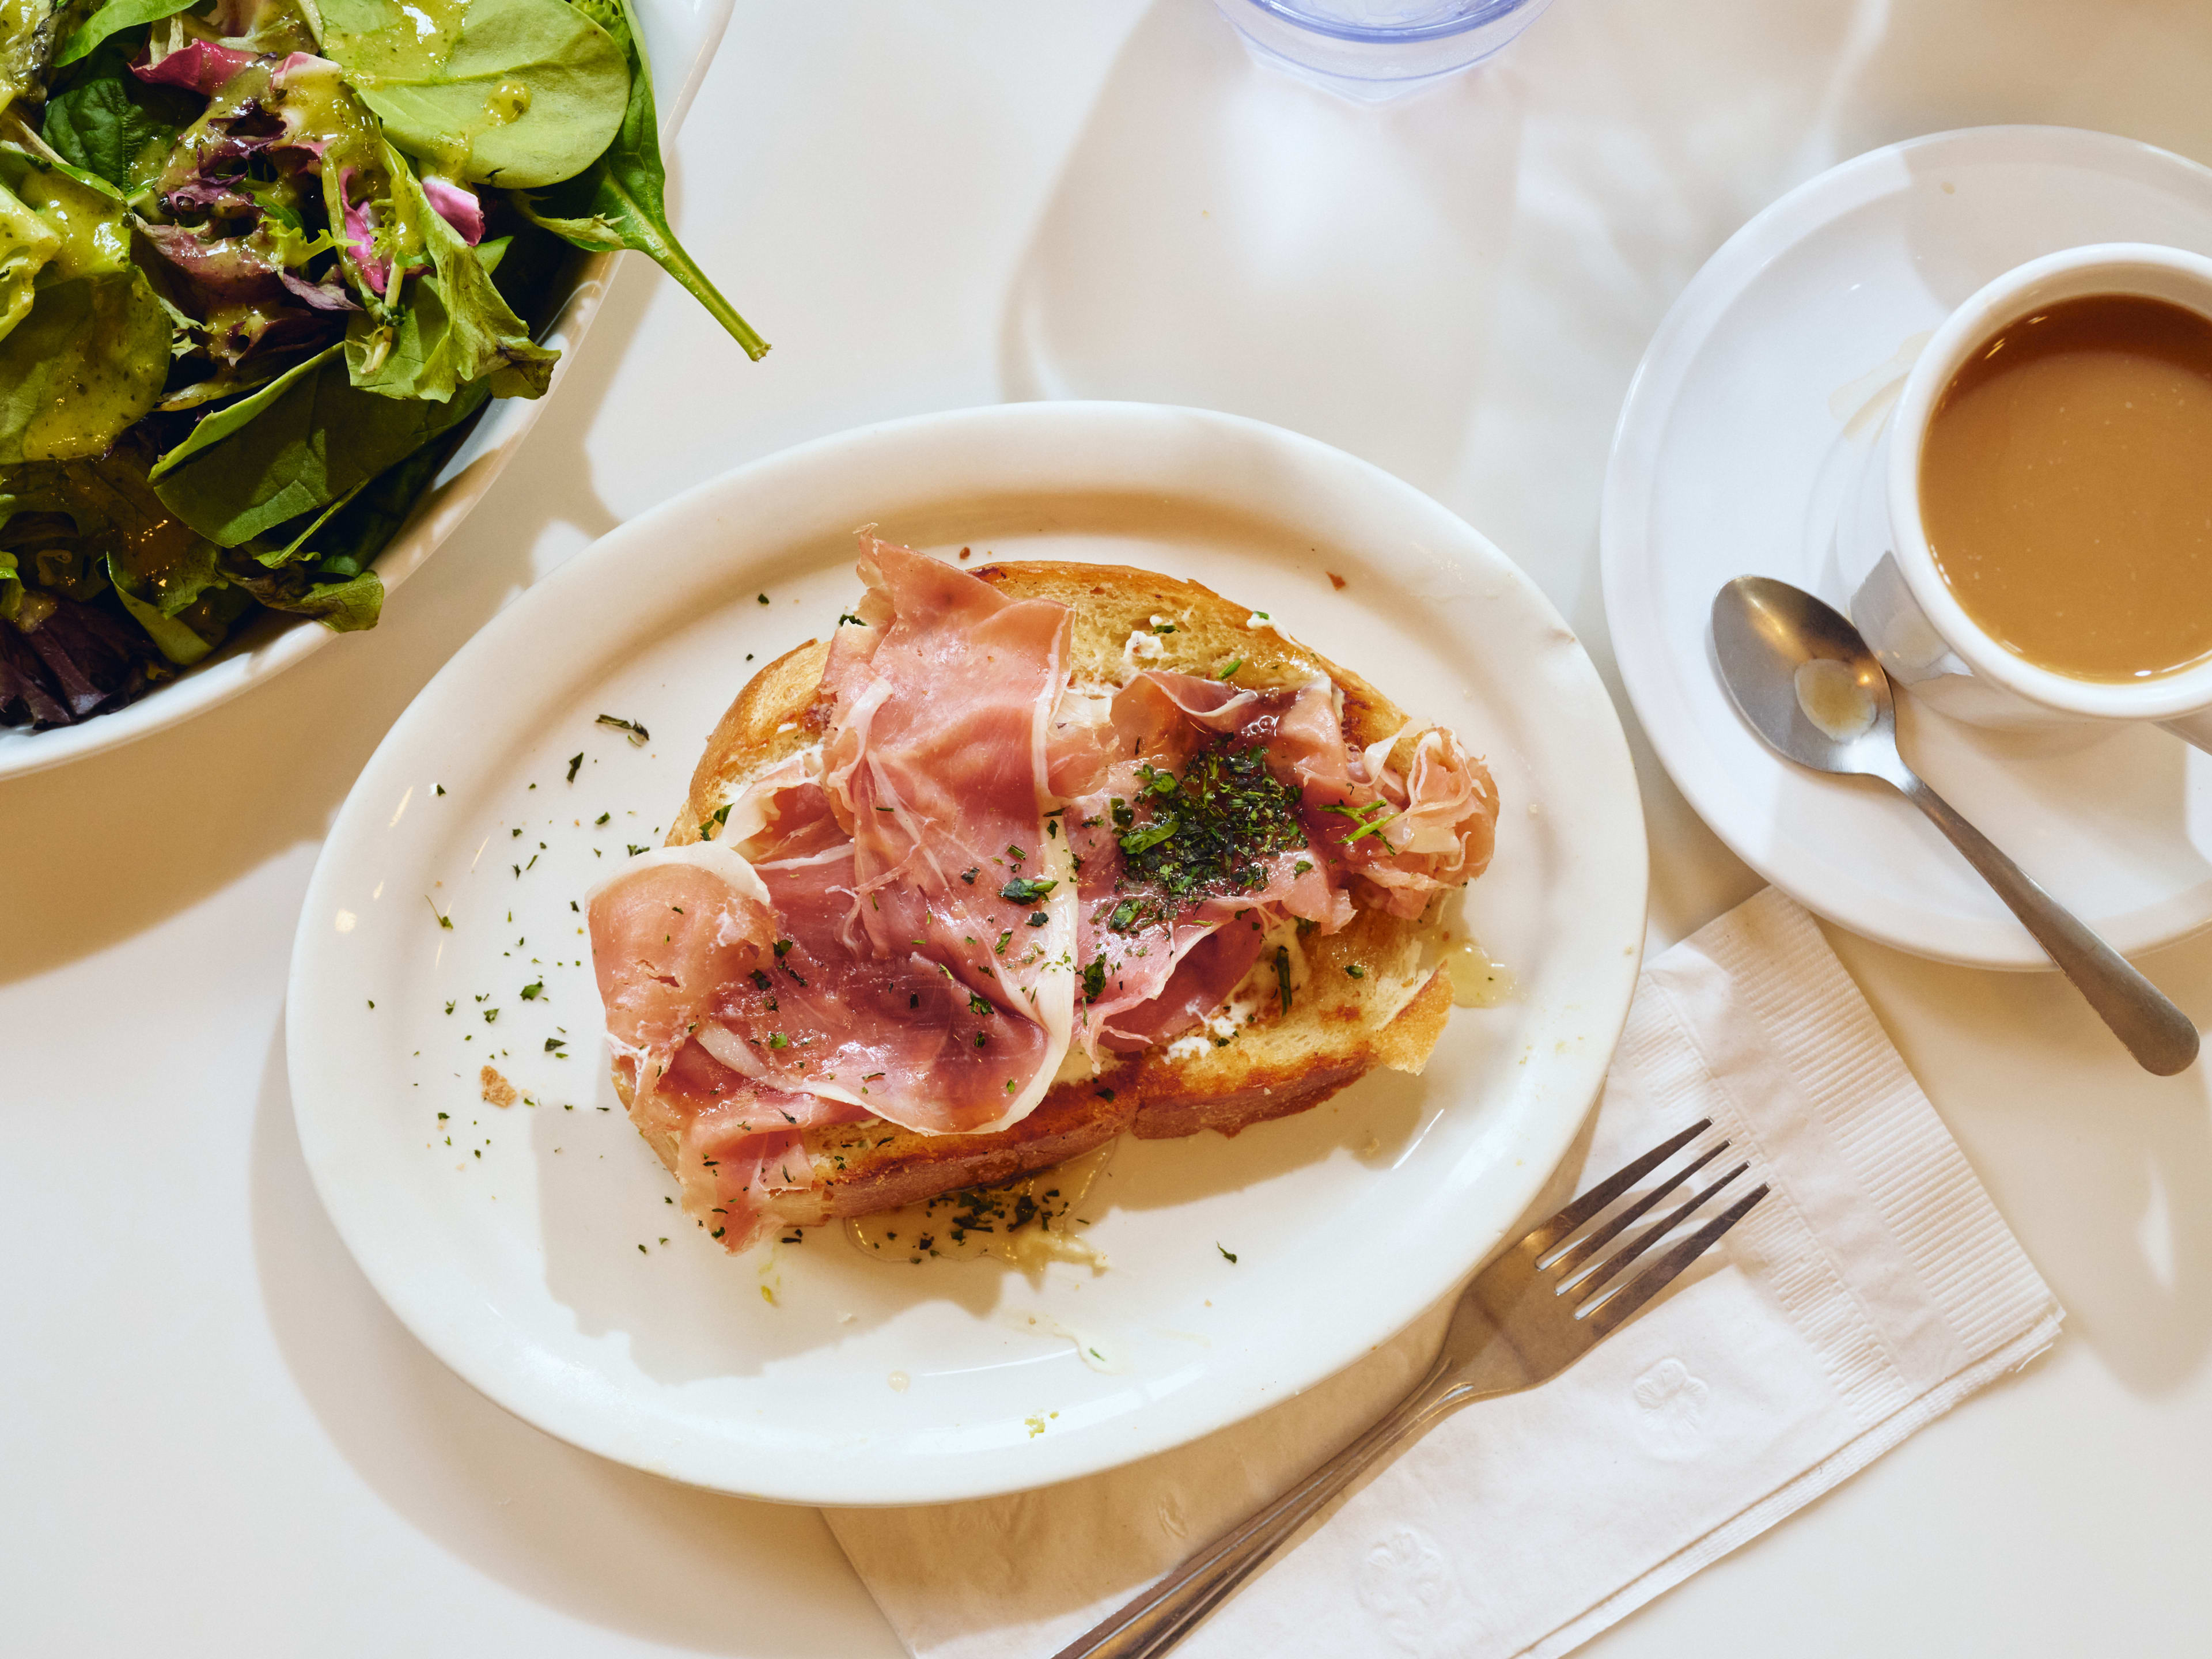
(1750, 412)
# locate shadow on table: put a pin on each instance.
(116, 844)
(601, 1542)
(1223, 237)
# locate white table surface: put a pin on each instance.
(213, 1439)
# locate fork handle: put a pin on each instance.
(1162, 1615)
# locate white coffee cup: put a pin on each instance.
(1898, 600)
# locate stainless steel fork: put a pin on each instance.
(1524, 1318)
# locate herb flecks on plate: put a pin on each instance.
(262, 263)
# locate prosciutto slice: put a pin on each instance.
(936, 763)
(1407, 835)
(1156, 966)
(882, 929)
(914, 919)
(668, 935)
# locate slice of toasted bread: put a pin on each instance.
(1255, 1060)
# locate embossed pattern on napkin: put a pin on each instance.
(1875, 1289)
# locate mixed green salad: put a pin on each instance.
(261, 264)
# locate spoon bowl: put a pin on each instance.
(1831, 709)
(1802, 678)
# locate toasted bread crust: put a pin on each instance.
(1273, 1064)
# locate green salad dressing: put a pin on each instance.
(87, 357)
(516, 92)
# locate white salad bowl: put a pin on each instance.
(681, 37)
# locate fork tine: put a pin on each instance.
(1660, 1274)
(1544, 1236)
(1568, 1260)
(1606, 1271)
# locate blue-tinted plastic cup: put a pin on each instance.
(1375, 50)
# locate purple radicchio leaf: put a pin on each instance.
(224, 271)
(293, 115)
(74, 662)
(323, 296)
(207, 175)
(200, 65)
(456, 206)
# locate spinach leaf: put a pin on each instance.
(115, 15)
(101, 118)
(174, 640)
(454, 329)
(527, 92)
(27, 34)
(361, 528)
(88, 358)
(318, 437)
(214, 428)
(287, 546)
(344, 606)
(618, 202)
(28, 244)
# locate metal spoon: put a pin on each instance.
(1806, 683)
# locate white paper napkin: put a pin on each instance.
(1875, 1288)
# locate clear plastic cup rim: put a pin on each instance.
(1386, 34)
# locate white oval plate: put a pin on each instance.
(1754, 408)
(680, 38)
(529, 1252)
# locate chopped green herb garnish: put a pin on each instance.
(715, 821)
(1227, 1255)
(575, 764)
(1371, 819)
(777, 1040)
(1230, 668)
(637, 734)
(1026, 890)
(1038, 918)
(554, 1045)
(444, 920)
(979, 1005)
(532, 992)
(1205, 835)
(1094, 979)
(1355, 971)
(1283, 975)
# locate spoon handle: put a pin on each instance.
(2159, 1035)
